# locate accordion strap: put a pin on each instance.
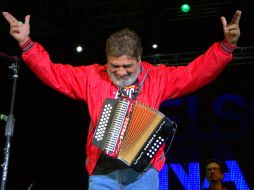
(139, 87)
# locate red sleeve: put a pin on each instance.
(64, 78)
(182, 80)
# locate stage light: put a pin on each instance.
(185, 8)
(155, 46)
(79, 49)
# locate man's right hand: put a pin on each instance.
(18, 30)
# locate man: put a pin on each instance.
(124, 75)
(214, 174)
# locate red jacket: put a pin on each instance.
(92, 84)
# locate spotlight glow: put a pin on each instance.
(79, 49)
(155, 46)
(185, 8)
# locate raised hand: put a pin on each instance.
(232, 30)
(20, 31)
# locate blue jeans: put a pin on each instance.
(125, 179)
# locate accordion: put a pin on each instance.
(131, 132)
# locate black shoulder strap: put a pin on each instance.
(139, 87)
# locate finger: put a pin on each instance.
(224, 22)
(234, 33)
(236, 17)
(10, 19)
(27, 19)
(14, 30)
(233, 27)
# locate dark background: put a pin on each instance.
(48, 147)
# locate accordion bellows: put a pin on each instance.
(131, 132)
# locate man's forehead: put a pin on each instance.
(121, 63)
(123, 60)
(212, 164)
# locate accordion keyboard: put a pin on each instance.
(117, 122)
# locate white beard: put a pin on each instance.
(124, 82)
